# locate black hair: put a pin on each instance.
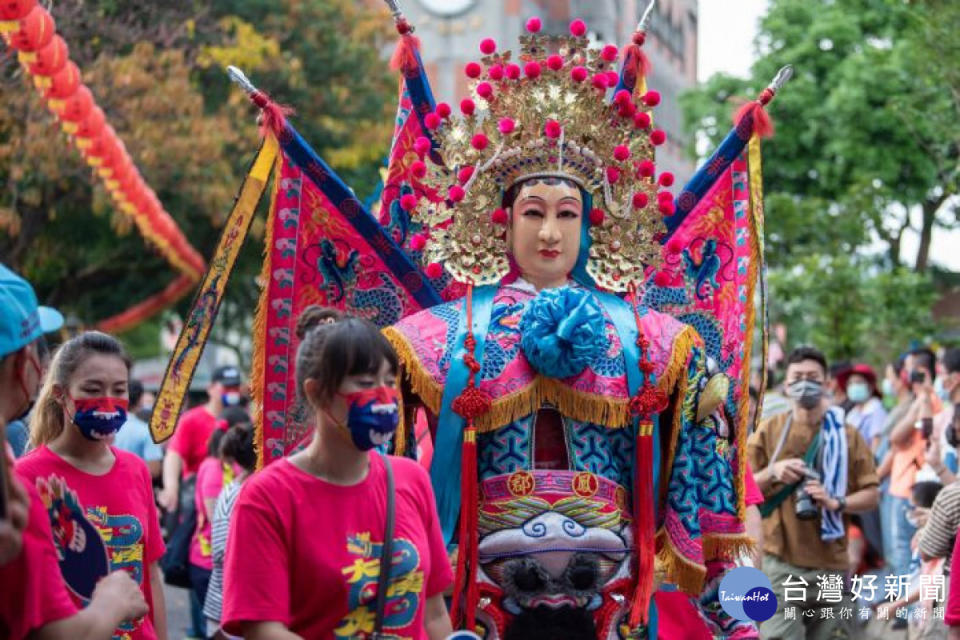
(331, 351)
(134, 391)
(313, 316)
(237, 444)
(899, 363)
(510, 195)
(840, 367)
(235, 416)
(213, 444)
(925, 492)
(926, 359)
(951, 360)
(799, 354)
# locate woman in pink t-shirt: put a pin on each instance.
(303, 552)
(99, 499)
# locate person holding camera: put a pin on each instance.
(909, 441)
(812, 469)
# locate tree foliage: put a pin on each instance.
(156, 68)
(867, 131)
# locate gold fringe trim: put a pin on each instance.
(687, 575)
(570, 402)
(400, 437)
(686, 340)
(260, 324)
(575, 404)
(421, 382)
(727, 546)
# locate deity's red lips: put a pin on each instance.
(549, 253)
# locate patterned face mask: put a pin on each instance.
(101, 417)
(372, 416)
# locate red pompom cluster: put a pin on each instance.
(641, 119)
(666, 179)
(473, 69)
(552, 129)
(465, 173)
(467, 106)
(658, 137)
(646, 169)
(609, 53)
(578, 28)
(506, 125)
(456, 193)
(487, 46)
(499, 216)
(422, 145)
(534, 25)
(479, 142)
(495, 72)
(651, 98)
(621, 152)
(596, 216)
(513, 71)
(418, 169)
(431, 120)
(418, 242)
(485, 90)
(532, 69)
(640, 200)
(408, 202)
(613, 174)
(443, 110)
(434, 270)
(579, 74)
(555, 62)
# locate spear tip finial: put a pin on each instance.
(241, 79)
(645, 18)
(783, 76)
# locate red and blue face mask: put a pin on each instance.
(99, 418)
(372, 416)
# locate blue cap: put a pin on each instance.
(21, 320)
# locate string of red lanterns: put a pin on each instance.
(29, 29)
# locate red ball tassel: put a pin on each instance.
(636, 64)
(762, 123)
(273, 116)
(404, 56)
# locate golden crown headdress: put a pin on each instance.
(547, 114)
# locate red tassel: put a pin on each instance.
(404, 56)
(762, 123)
(636, 64)
(273, 116)
(644, 528)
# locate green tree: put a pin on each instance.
(867, 131)
(157, 70)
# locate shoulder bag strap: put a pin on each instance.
(386, 551)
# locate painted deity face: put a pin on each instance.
(544, 235)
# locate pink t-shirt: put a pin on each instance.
(191, 440)
(304, 552)
(99, 524)
(751, 491)
(33, 591)
(209, 484)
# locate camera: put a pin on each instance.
(917, 376)
(805, 507)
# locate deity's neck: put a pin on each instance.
(534, 287)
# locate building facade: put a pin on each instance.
(451, 30)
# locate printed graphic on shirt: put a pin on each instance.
(403, 595)
(91, 543)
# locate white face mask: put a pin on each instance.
(858, 392)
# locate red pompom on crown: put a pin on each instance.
(434, 270)
(596, 216)
(552, 129)
(534, 25)
(473, 69)
(658, 137)
(488, 46)
(408, 202)
(418, 169)
(578, 28)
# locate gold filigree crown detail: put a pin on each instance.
(549, 113)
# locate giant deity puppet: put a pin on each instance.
(577, 338)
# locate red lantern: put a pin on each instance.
(36, 31)
(63, 84)
(99, 147)
(51, 59)
(12, 11)
(76, 108)
(16, 9)
(92, 125)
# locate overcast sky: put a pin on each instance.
(727, 30)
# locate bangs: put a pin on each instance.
(358, 348)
